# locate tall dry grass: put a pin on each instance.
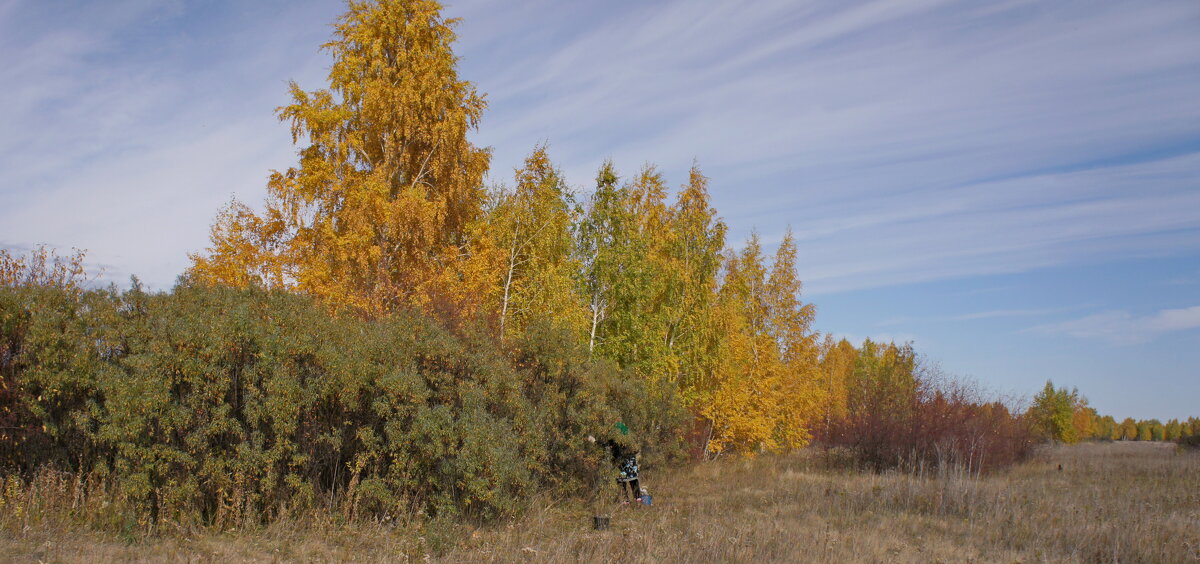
(1116, 502)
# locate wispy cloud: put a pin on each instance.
(128, 128)
(1184, 280)
(1123, 328)
(904, 142)
(978, 315)
(1005, 313)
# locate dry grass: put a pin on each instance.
(1126, 502)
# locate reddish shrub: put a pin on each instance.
(935, 423)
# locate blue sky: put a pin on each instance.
(1012, 185)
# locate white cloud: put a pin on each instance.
(973, 316)
(128, 150)
(1123, 328)
(992, 314)
(904, 142)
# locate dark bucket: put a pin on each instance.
(600, 522)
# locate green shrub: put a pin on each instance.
(228, 407)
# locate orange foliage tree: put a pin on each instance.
(766, 389)
(376, 215)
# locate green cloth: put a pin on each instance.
(624, 429)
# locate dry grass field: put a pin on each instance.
(1118, 502)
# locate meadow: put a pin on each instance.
(1091, 502)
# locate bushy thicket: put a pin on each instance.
(217, 405)
(902, 413)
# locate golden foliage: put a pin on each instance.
(376, 215)
(767, 389)
(531, 231)
(837, 367)
(43, 266)
(385, 211)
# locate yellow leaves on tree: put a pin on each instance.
(693, 249)
(376, 214)
(837, 364)
(1084, 418)
(245, 251)
(530, 228)
(766, 391)
(42, 267)
(385, 210)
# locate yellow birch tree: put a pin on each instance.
(531, 227)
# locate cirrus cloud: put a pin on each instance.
(1123, 328)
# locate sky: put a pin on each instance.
(1012, 186)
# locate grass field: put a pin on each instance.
(1116, 502)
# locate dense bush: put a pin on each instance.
(217, 405)
(905, 414)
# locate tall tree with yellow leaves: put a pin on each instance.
(377, 211)
(742, 397)
(692, 256)
(531, 227)
(766, 392)
(789, 322)
(838, 360)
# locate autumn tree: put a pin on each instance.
(883, 386)
(692, 257)
(882, 396)
(1145, 430)
(789, 321)
(1128, 429)
(1189, 427)
(1052, 414)
(43, 266)
(767, 392)
(837, 362)
(531, 227)
(635, 336)
(745, 381)
(376, 213)
(1158, 431)
(1084, 419)
(1107, 428)
(245, 251)
(1173, 430)
(604, 249)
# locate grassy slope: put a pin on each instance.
(1132, 502)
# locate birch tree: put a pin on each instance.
(531, 227)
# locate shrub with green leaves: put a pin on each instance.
(224, 406)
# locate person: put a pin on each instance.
(627, 464)
(625, 458)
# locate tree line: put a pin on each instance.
(1065, 416)
(386, 212)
